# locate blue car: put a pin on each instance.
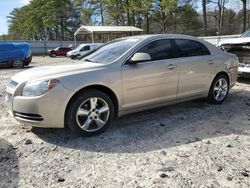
(15, 54)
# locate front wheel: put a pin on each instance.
(90, 113)
(219, 90)
(18, 64)
(78, 56)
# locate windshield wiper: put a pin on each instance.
(88, 60)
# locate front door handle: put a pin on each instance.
(171, 66)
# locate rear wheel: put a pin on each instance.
(90, 113)
(18, 64)
(219, 90)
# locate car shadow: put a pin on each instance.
(162, 128)
(9, 165)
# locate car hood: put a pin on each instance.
(72, 51)
(240, 40)
(53, 71)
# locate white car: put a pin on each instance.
(241, 47)
(82, 49)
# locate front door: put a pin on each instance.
(151, 82)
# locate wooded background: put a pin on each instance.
(59, 19)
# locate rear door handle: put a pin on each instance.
(171, 66)
(210, 62)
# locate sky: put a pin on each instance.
(6, 6)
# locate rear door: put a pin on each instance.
(196, 67)
(151, 82)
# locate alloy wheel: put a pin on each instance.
(92, 114)
(17, 64)
(220, 89)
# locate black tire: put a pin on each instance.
(71, 118)
(212, 92)
(53, 55)
(17, 64)
(78, 56)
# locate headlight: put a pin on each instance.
(39, 88)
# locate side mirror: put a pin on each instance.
(140, 57)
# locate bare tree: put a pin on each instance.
(220, 16)
(244, 14)
(204, 10)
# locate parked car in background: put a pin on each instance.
(15, 54)
(241, 47)
(123, 76)
(82, 49)
(59, 51)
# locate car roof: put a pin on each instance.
(162, 36)
(90, 44)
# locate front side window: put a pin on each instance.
(158, 50)
(188, 48)
(85, 48)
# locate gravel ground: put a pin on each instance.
(191, 144)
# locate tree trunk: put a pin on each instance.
(62, 27)
(101, 12)
(244, 14)
(147, 22)
(133, 18)
(128, 13)
(117, 13)
(204, 9)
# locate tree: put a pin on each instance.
(40, 20)
(162, 9)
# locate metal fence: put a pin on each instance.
(216, 39)
(41, 47)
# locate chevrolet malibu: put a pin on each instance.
(124, 76)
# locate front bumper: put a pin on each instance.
(46, 111)
(28, 60)
(244, 70)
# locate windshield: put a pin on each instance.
(111, 51)
(246, 34)
(79, 47)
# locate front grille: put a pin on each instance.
(33, 117)
(12, 84)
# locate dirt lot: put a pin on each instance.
(192, 144)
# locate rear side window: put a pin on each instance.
(158, 50)
(65, 49)
(188, 48)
